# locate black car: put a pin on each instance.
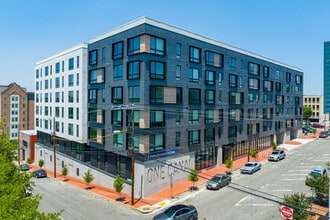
(24, 167)
(178, 212)
(40, 173)
(218, 181)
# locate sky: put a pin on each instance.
(290, 31)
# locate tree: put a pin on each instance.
(299, 202)
(118, 185)
(88, 177)
(41, 163)
(65, 171)
(28, 160)
(254, 153)
(193, 177)
(320, 186)
(314, 132)
(307, 112)
(274, 145)
(229, 164)
(15, 186)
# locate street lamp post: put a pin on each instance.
(250, 136)
(54, 147)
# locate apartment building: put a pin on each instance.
(162, 101)
(316, 103)
(16, 109)
(61, 106)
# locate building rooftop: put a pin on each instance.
(146, 20)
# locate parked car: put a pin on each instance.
(251, 167)
(40, 173)
(308, 129)
(24, 167)
(328, 132)
(218, 181)
(277, 155)
(323, 134)
(316, 172)
(317, 126)
(179, 211)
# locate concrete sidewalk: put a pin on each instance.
(179, 190)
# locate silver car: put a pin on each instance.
(277, 155)
(218, 181)
(251, 167)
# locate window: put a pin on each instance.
(117, 50)
(193, 116)
(236, 98)
(37, 73)
(298, 79)
(92, 96)
(209, 96)
(178, 116)
(266, 71)
(178, 95)
(221, 115)
(117, 95)
(193, 75)
(213, 59)
(93, 57)
(268, 85)
(209, 135)
(118, 140)
(46, 84)
(240, 81)
(77, 96)
(194, 137)
(70, 113)
(209, 77)
(253, 84)
(134, 45)
(57, 111)
(70, 129)
(277, 74)
(70, 96)
(209, 116)
(177, 139)
(157, 45)
(77, 79)
(46, 71)
(254, 69)
(118, 72)
(71, 80)
(62, 81)
(194, 96)
(71, 64)
(57, 67)
(133, 70)
(288, 77)
(57, 97)
(136, 117)
(134, 94)
(96, 115)
(117, 117)
(46, 97)
(232, 81)
(178, 72)
(232, 131)
(157, 142)
(78, 62)
(232, 63)
(278, 87)
(156, 94)
(157, 70)
(104, 54)
(194, 54)
(157, 119)
(63, 66)
(96, 76)
(178, 51)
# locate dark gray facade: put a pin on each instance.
(202, 98)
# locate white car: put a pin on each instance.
(277, 155)
(251, 167)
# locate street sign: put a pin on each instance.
(286, 212)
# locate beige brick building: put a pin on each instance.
(316, 103)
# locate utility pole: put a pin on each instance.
(132, 159)
(54, 147)
(250, 136)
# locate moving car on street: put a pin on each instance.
(218, 181)
(178, 212)
(276, 155)
(251, 167)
